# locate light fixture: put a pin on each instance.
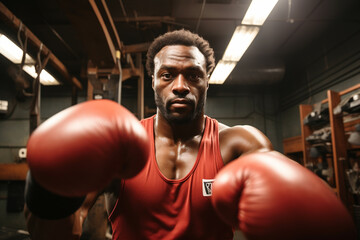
(13, 53)
(45, 77)
(258, 11)
(243, 36)
(222, 71)
(240, 41)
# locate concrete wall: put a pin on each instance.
(290, 117)
(252, 108)
(337, 69)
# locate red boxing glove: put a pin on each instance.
(82, 148)
(267, 196)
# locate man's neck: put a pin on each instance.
(178, 132)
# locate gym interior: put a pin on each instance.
(297, 80)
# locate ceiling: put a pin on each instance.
(71, 30)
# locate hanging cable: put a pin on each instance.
(35, 104)
(201, 13)
(118, 60)
(23, 45)
(36, 83)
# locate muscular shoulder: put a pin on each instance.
(238, 140)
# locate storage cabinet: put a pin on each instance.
(341, 155)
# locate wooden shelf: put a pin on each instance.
(340, 127)
(338, 146)
(305, 132)
(292, 145)
(13, 171)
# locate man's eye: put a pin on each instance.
(166, 76)
(193, 77)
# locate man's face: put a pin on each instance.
(180, 83)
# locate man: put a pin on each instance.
(175, 195)
(180, 129)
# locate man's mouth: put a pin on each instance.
(180, 102)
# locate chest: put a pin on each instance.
(152, 189)
(176, 159)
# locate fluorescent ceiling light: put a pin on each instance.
(45, 77)
(12, 52)
(240, 41)
(243, 36)
(258, 11)
(222, 71)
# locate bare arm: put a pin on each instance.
(238, 140)
(66, 228)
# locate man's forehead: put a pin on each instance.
(179, 53)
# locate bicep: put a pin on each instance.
(238, 140)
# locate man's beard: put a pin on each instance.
(183, 119)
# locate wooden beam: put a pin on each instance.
(305, 131)
(136, 48)
(112, 24)
(11, 19)
(111, 45)
(348, 90)
(104, 28)
(90, 91)
(13, 171)
(339, 143)
(126, 72)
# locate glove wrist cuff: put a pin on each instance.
(46, 204)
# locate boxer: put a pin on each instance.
(181, 174)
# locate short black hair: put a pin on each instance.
(180, 37)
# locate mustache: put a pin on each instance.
(180, 99)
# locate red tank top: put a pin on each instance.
(151, 206)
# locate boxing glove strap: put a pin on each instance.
(47, 205)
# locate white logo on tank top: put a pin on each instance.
(207, 187)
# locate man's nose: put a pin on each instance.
(180, 85)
